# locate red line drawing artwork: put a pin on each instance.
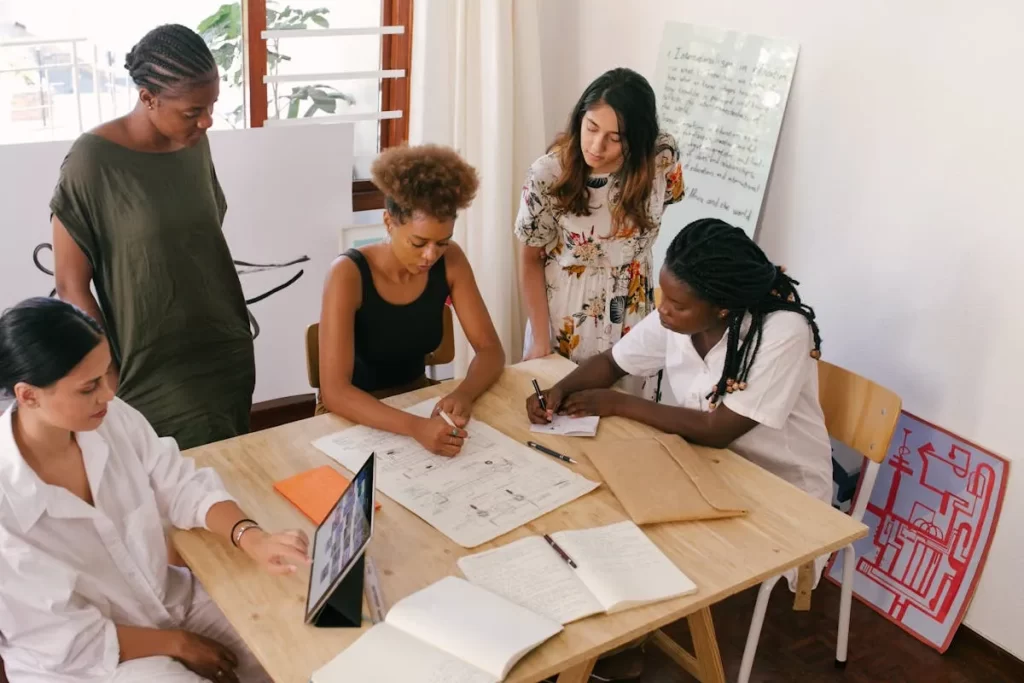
(932, 515)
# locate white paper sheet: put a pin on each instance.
(493, 486)
(530, 573)
(475, 625)
(622, 567)
(384, 654)
(563, 425)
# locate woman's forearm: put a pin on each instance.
(484, 370)
(136, 642)
(597, 372)
(361, 408)
(535, 294)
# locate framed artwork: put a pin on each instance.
(356, 236)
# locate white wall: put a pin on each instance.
(895, 199)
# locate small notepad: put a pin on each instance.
(563, 425)
(314, 492)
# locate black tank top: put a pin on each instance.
(392, 340)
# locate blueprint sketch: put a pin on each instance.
(493, 486)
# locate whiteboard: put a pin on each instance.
(723, 95)
(289, 192)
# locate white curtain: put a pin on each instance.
(476, 86)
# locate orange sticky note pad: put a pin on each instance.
(314, 492)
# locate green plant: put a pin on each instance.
(222, 31)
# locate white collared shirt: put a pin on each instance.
(790, 439)
(70, 572)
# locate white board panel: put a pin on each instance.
(722, 94)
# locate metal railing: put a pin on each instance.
(106, 79)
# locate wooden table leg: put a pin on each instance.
(578, 674)
(706, 663)
(804, 586)
(705, 646)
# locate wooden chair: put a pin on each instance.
(444, 354)
(862, 415)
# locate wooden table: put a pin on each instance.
(784, 528)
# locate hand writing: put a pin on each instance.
(553, 401)
(456, 406)
(438, 437)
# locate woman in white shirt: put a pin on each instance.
(738, 350)
(86, 489)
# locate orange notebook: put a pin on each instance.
(314, 492)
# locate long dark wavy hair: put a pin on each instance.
(632, 98)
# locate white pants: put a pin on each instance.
(206, 619)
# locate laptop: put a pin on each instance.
(341, 540)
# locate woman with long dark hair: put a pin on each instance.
(86, 488)
(590, 213)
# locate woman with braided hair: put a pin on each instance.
(738, 349)
(137, 215)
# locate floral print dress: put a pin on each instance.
(599, 279)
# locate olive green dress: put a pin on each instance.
(150, 225)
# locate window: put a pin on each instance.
(285, 62)
(334, 60)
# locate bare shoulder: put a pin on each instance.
(343, 279)
(456, 262)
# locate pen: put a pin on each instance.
(554, 454)
(540, 396)
(562, 553)
(444, 416)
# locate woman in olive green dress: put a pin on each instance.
(137, 215)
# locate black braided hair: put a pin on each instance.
(167, 56)
(727, 269)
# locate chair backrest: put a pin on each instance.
(445, 353)
(858, 412)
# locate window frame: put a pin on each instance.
(396, 53)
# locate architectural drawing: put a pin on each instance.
(932, 514)
(492, 487)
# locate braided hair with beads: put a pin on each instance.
(727, 269)
(170, 55)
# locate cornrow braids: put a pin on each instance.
(170, 55)
(726, 268)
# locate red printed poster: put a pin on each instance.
(931, 516)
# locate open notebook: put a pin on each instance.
(618, 567)
(451, 631)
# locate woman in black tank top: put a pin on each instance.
(383, 304)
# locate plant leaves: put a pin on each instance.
(319, 20)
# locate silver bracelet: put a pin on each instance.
(241, 532)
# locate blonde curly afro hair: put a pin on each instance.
(427, 179)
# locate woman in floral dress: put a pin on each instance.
(590, 213)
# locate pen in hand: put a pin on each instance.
(540, 396)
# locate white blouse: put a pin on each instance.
(790, 439)
(70, 572)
